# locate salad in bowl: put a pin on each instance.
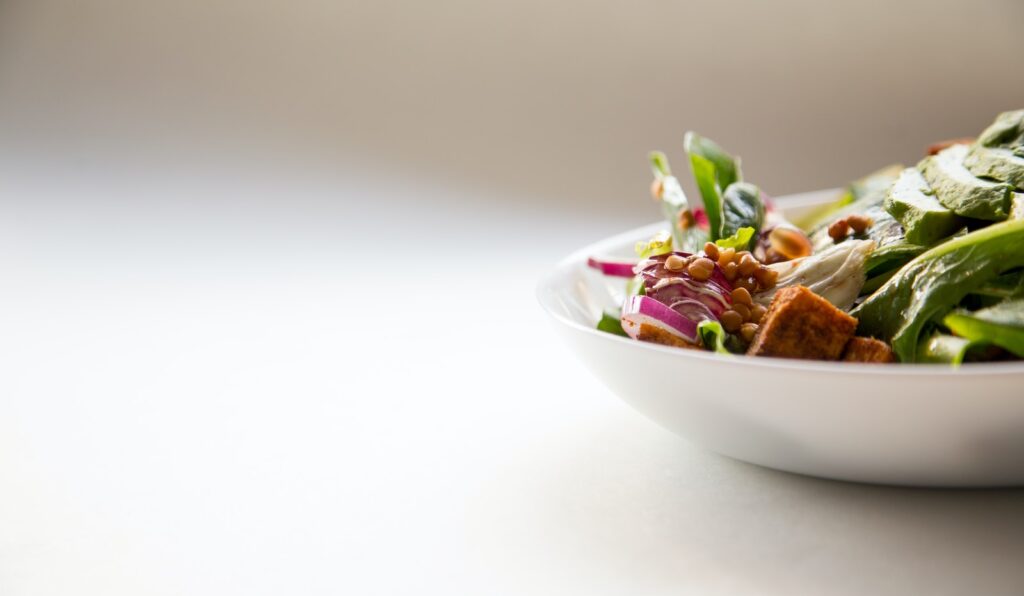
(920, 264)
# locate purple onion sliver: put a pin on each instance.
(611, 267)
(641, 310)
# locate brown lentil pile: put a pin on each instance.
(700, 268)
(840, 228)
(741, 268)
(747, 275)
(744, 315)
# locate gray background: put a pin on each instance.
(555, 102)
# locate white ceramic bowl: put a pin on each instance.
(921, 425)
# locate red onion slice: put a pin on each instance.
(641, 310)
(613, 268)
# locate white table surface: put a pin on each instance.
(348, 388)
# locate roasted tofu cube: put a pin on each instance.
(660, 336)
(801, 324)
(867, 349)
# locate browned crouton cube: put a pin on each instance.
(801, 324)
(867, 349)
(660, 336)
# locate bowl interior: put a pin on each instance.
(576, 295)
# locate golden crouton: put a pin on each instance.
(801, 324)
(866, 349)
(660, 336)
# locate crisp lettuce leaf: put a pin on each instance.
(836, 273)
(740, 240)
(659, 244)
(712, 336)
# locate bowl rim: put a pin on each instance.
(576, 259)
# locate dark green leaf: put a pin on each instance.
(961, 191)
(1002, 325)
(710, 192)
(727, 168)
(713, 171)
(1007, 285)
(742, 207)
(610, 323)
(932, 284)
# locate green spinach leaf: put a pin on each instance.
(932, 284)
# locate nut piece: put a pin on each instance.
(675, 263)
(801, 324)
(859, 223)
(841, 227)
(838, 230)
(790, 243)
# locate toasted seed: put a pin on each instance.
(748, 264)
(757, 313)
(859, 223)
(789, 242)
(731, 321)
(747, 331)
(838, 230)
(675, 263)
(701, 269)
(741, 296)
(711, 250)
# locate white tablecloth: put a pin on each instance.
(346, 387)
